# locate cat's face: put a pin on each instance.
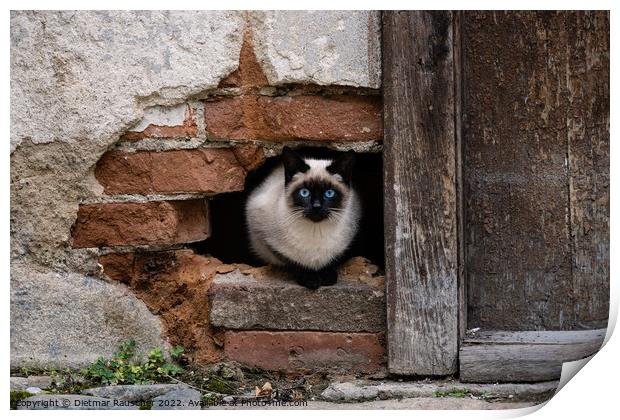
(317, 189)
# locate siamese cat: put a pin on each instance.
(304, 216)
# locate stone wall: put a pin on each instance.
(124, 125)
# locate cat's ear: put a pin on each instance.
(343, 166)
(293, 163)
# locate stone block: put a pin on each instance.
(274, 302)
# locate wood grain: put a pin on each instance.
(536, 169)
(524, 356)
(537, 337)
(458, 135)
(420, 193)
(587, 126)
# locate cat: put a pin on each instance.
(304, 216)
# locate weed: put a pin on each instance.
(17, 396)
(128, 367)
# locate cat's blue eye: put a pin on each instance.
(330, 193)
(304, 193)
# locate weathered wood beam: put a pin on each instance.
(420, 193)
(524, 356)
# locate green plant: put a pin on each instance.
(128, 367)
(177, 352)
(17, 396)
(66, 380)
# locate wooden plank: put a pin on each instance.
(537, 337)
(420, 193)
(532, 98)
(524, 356)
(517, 362)
(588, 162)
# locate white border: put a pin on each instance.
(591, 395)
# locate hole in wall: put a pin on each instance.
(229, 240)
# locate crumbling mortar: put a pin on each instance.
(271, 147)
(121, 249)
(139, 198)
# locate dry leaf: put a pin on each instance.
(297, 395)
(357, 268)
(264, 391)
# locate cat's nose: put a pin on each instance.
(316, 204)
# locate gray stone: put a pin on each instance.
(41, 381)
(133, 392)
(180, 399)
(72, 402)
(34, 390)
(33, 382)
(70, 319)
(365, 391)
(402, 404)
(322, 47)
(18, 383)
(239, 301)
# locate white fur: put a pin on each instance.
(310, 244)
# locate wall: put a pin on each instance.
(123, 124)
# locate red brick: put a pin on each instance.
(188, 129)
(150, 223)
(298, 351)
(249, 156)
(352, 117)
(175, 171)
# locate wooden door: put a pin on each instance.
(497, 191)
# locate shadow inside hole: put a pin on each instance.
(229, 240)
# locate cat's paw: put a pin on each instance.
(311, 284)
(315, 279)
(311, 281)
(328, 277)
